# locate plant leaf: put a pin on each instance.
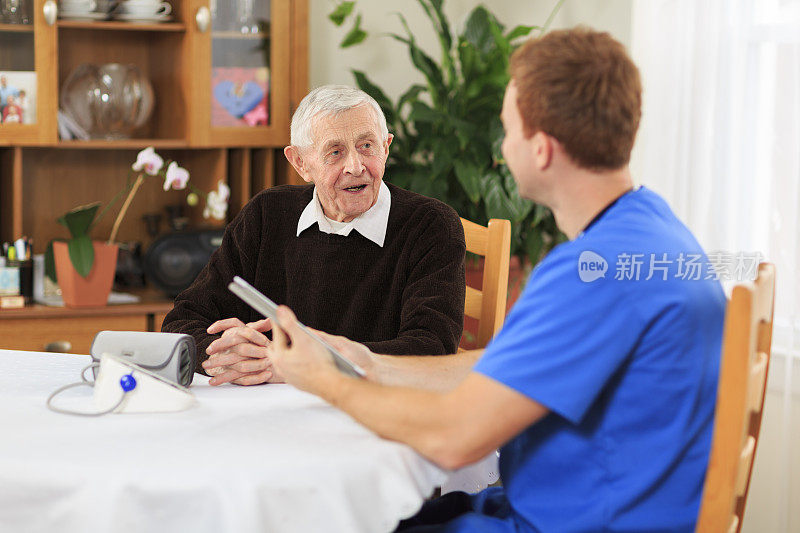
(477, 30)
(550, 17)
(374, 91)
(439, 21)
(422, 112)
(79, 219)
(534, 245)
(520, 31)
(81, 253)
(50, 262)
(500, 202)
(518, 206)
(445, 151)
(469, 176)
(341, 12)
(355, 35)
(410, 95)
(423, 62)
(433, 8)
(539, 214)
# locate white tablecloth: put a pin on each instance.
(268, 458)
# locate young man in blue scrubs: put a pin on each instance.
(601, 386)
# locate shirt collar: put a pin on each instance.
(371, 224)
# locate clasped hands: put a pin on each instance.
(245, 356)
(241, 354)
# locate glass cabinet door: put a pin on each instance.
(27, 111)
(249, 72)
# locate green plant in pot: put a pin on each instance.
(85, 268)
(447, 131)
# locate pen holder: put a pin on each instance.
(25, 277)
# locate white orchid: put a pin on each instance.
(177, 177)
(217, 202)
(149, 161)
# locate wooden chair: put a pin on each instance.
(488, 305)
(740, 401)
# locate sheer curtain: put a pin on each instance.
(720, 140)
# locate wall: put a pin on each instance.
(386, 60)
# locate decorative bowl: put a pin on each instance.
(108, 101)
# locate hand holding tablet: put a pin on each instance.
(268, 308)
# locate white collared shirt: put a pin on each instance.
(371, 224)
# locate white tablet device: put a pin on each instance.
(255, 299)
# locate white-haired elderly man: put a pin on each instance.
(351, 255)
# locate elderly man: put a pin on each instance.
(350, 253)
(600, 389)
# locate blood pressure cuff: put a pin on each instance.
(170, 355)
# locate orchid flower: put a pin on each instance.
(217, 202)
(177, 177)
(149, 161)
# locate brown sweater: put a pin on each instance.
(406, 297)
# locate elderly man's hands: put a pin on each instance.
(305, 363)
(241, 354)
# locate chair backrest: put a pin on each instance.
(746, 349)
(488, 305)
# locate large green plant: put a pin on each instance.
(448, 131)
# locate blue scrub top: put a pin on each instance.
(628, 368)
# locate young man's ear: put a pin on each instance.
(292, 154)
(542, 147)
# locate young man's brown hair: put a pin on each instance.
(580, 87)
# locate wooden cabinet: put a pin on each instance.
(188, 60)
(39, 328)
(180, 57)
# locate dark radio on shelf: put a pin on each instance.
(174, 260)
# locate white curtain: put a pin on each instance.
(720, 140)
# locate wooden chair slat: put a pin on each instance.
(476, 237)
(763, 303)
(755, 389)
(488, 305)
(745, 461)
(734, 527)
(473, 303)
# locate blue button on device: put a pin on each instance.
(127, 382)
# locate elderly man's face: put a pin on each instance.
(346, 162)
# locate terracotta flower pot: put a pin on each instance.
(517, 276)
(93, 290)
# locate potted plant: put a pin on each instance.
(85, 268)
(448, 133)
